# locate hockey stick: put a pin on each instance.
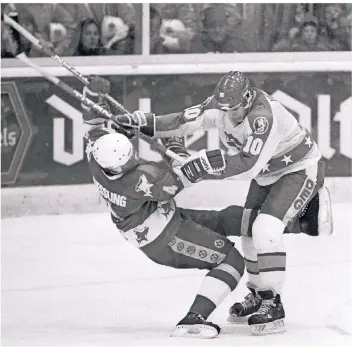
(42, 46)
(103, 112)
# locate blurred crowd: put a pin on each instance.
(115, 29)
(82, 29)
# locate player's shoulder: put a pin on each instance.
(145, 171)
(260, 118)
(95, 133)
(141, 179)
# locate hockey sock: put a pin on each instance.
(272, 267)
(218, 283)
(251, 261)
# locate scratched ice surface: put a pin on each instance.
(72, 280)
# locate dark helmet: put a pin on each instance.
(233, 89)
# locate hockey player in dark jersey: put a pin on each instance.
(140, 197)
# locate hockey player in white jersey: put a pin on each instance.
(266, 145)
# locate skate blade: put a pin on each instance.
(197, 331)
(276, 327)
(325, 222)
(237, 320)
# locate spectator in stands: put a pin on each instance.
(301, 11)
(117, 37)
(155, 24)
(9, 45)
(177, 29)
(345, 29)
(12, 43)
(216, 35)
(65, 18)
(286, 39)
(89, 39)
(117, 25)
(336, 37)
(98, 11)
(309, 38)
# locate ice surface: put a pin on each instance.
(72, 280)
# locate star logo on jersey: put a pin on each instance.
(141, 235)
(144, 186)
(180, 246)
(266, 168)
(260, 125)
(172, 242)
(202, 253)
(219, 243)
(214, 258)
(308, 141)
(165, 208)
(170, 189)
(287, 159)
(191, 250)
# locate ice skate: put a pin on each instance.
(240, 311)
(269, 319)
(195, 326)
(316, 219)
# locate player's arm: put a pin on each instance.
(199, 117)
(258, 148)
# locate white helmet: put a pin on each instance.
(113, 151)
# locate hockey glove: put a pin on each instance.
(176, 145)
(95, 90)
(208, 162)
(144, 122)
(99, 85)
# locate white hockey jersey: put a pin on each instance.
(268, 144)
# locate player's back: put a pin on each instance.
(140, 201)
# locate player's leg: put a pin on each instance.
(316, 218)
(286, 199)
(226, 222)
(239, 312)
(196, 246)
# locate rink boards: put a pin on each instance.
(85, 198)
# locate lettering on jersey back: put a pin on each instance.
(111, 197)
(304, 194)
(144, 186)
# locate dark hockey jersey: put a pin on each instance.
(140, 201)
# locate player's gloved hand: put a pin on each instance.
(99, 85)
(95, 91)
(208, 162)
(144, 122)
(177, 145)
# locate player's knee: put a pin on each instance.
(267, 231)
(235, 260)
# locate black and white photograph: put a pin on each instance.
(176, 174)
